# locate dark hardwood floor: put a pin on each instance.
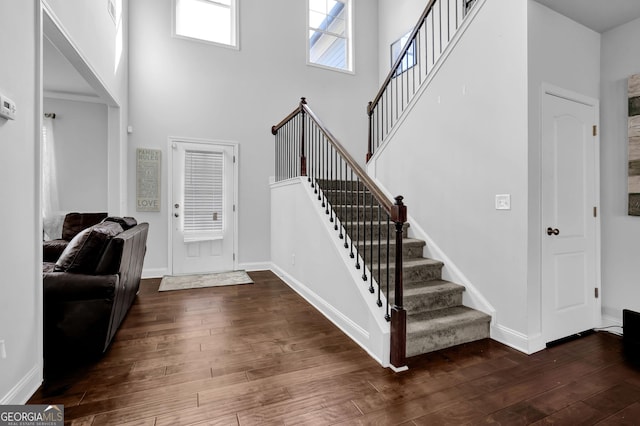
(259, 354)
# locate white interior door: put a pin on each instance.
(202, 207)
(569, 198)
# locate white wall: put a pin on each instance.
(395, 19)
(80, 132)
(21, 227)
(303, 245)
(20, 286)
(620, 232)
(467, 136)
(564, 54)
(191, 89)
(100, 51)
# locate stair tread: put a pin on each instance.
(431, 321)
(430, 287)
(418, 261)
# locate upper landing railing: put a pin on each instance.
(434, 30)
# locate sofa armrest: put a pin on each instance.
(52, 249)
(66, 286)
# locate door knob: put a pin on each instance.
(176, 205)
(551, 231)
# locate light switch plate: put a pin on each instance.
(503, 202)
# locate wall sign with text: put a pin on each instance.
(148, 165)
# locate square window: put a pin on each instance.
(213, 21)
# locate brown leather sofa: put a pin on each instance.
(90, 288)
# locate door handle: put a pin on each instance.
(551, 231)
(176, 215)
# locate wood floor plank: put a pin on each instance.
(260, 354)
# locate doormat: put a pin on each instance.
(183, 282)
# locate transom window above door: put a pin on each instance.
(214, 21)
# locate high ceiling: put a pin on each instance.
(599, 15)
(60, 77)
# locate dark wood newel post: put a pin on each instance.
(303, 157)
(370, 141)
(398, 314)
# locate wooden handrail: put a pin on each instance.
(400, 58)
(292, 114)
(377, 193)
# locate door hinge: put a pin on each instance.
(234, 256)
(595, 212)
(595, 130)
(234, 207)
(234, 159)
(597, 293)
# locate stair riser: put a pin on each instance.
(409, 274)
(341, 197)
(441, 300)
(455, 335)
(411, 250)
(353, 213)
(341, 185)
(360, 231)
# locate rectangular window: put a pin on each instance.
(329, 39)
(214, 21)
(409, 59)
(203, 195)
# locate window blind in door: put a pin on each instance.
(203, 195)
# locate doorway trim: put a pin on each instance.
(549, 89)
(176, 139)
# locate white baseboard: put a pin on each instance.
(512, 338)
(615, 323)
(25, 388)
(256, 266)
(351, 329)
(154, 272)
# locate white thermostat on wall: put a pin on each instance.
(7, 108)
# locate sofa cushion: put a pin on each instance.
(85, 249)
(126, 222)
(76, 222)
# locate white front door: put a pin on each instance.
(202, 207)
(569, 224)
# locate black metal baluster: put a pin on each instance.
(358, 225)
(379, 301)
(364, 234)
(371, 290)
(350, 232)
(387, 315)
(318, 162)
(343, 192)
(327, 162)
(333, 184)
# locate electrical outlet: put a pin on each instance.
(503, 202)
(3, 350)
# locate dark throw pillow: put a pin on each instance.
(84, 251)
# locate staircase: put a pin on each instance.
(436, 318)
